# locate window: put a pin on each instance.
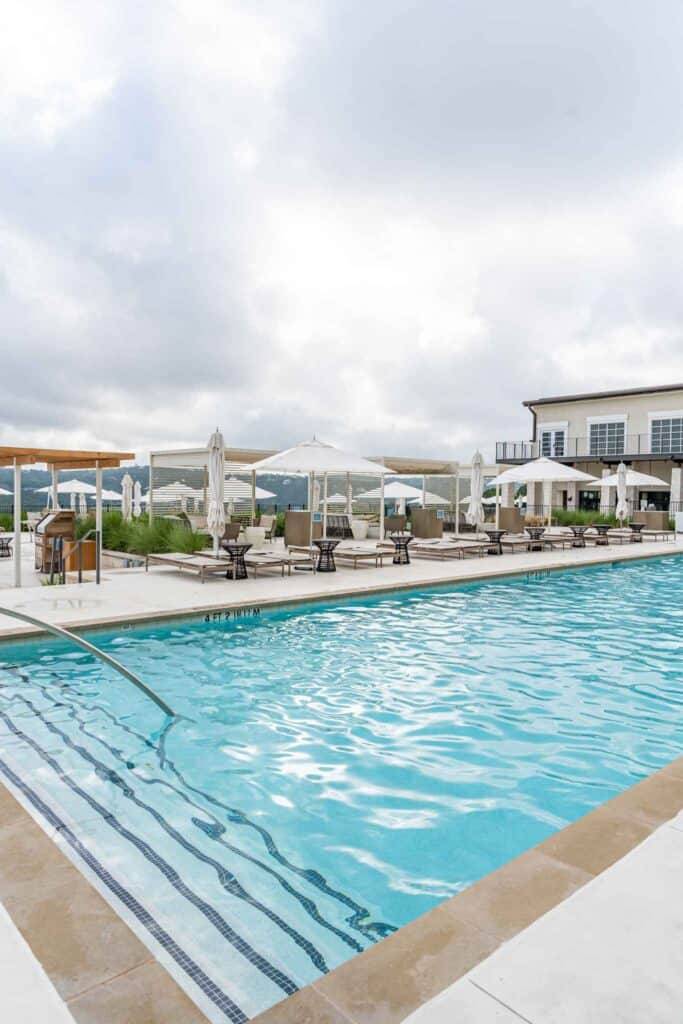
(552, 443)
(607, 438)
(666, 435)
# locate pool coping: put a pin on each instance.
(90, 623)
(105, 974)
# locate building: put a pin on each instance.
(642, 427)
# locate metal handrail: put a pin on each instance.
(91, 649)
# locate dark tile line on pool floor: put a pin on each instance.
(106, 975)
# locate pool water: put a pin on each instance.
(338, 769)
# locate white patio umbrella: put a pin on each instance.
(398, 489)
(111, 496)
(137, 499)
(317, 458)
(72, 501)
(4, 492)
(633, 479)
(547, 472)
(82, 504)
(127, 497)
(215, 514)
(336, 499)
(475, 512)
(240, 490)
(73, 486)
(622, 506)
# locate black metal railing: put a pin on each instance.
(589, 447)
(59, 556)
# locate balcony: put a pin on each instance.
(632, 447)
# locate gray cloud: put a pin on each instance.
(386, 226)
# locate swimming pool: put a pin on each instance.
(338, 769)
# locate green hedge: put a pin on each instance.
(139, 537)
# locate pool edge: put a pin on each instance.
(104, 981)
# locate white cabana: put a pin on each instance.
(547, 472)
(215, 515)
(137, 499)
(127, 497)
(317, 459)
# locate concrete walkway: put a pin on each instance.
(610, 954)
(27, 995)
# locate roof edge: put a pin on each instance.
(620, 393)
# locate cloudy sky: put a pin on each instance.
(382, 223)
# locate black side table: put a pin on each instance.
(637, 537)
(495, 536)
(401, 542)
(326, 561)
(579, 539)
(535, 533)
(601, 529)
(238, 568)
(5, 548)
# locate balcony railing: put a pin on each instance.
(586, 448)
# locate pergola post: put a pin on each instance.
(17, 523)
(55, 487)
(325, 505)
(98, 508)
(497, 501)
(349, 495)
(253, 497)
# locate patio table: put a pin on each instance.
(535, 534)
(237, 570)
(326, 561)
(401, 542)
(636, 529)
(601, 529)
(579, 539)
(495, 536)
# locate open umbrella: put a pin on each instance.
(317, 457)
(475, 512)
(127, 497)
(4, 492)
(137, 499)
(215, 515)
(547, 472)
(236, 490)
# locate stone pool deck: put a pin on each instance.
(586, 927)
(131, 595)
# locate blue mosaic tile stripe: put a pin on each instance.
(226, 879)
(210, 989)
(210, 913)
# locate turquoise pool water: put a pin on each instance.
(339, 769)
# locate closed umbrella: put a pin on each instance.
(215, 516)
(622, 507)
(475, 511)
(82, 504)
(127, 497)
(137, 499)
(72, 501)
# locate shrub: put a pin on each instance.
(280, 525)
(581, 517)
(6, 521)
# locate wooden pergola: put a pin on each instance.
(56, 459)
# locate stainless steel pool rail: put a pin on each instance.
(91, 649)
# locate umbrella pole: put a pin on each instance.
(324, 504)
(457, 504)
(381, 511)
(253, 497)
(311, 485)
(497, 502)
